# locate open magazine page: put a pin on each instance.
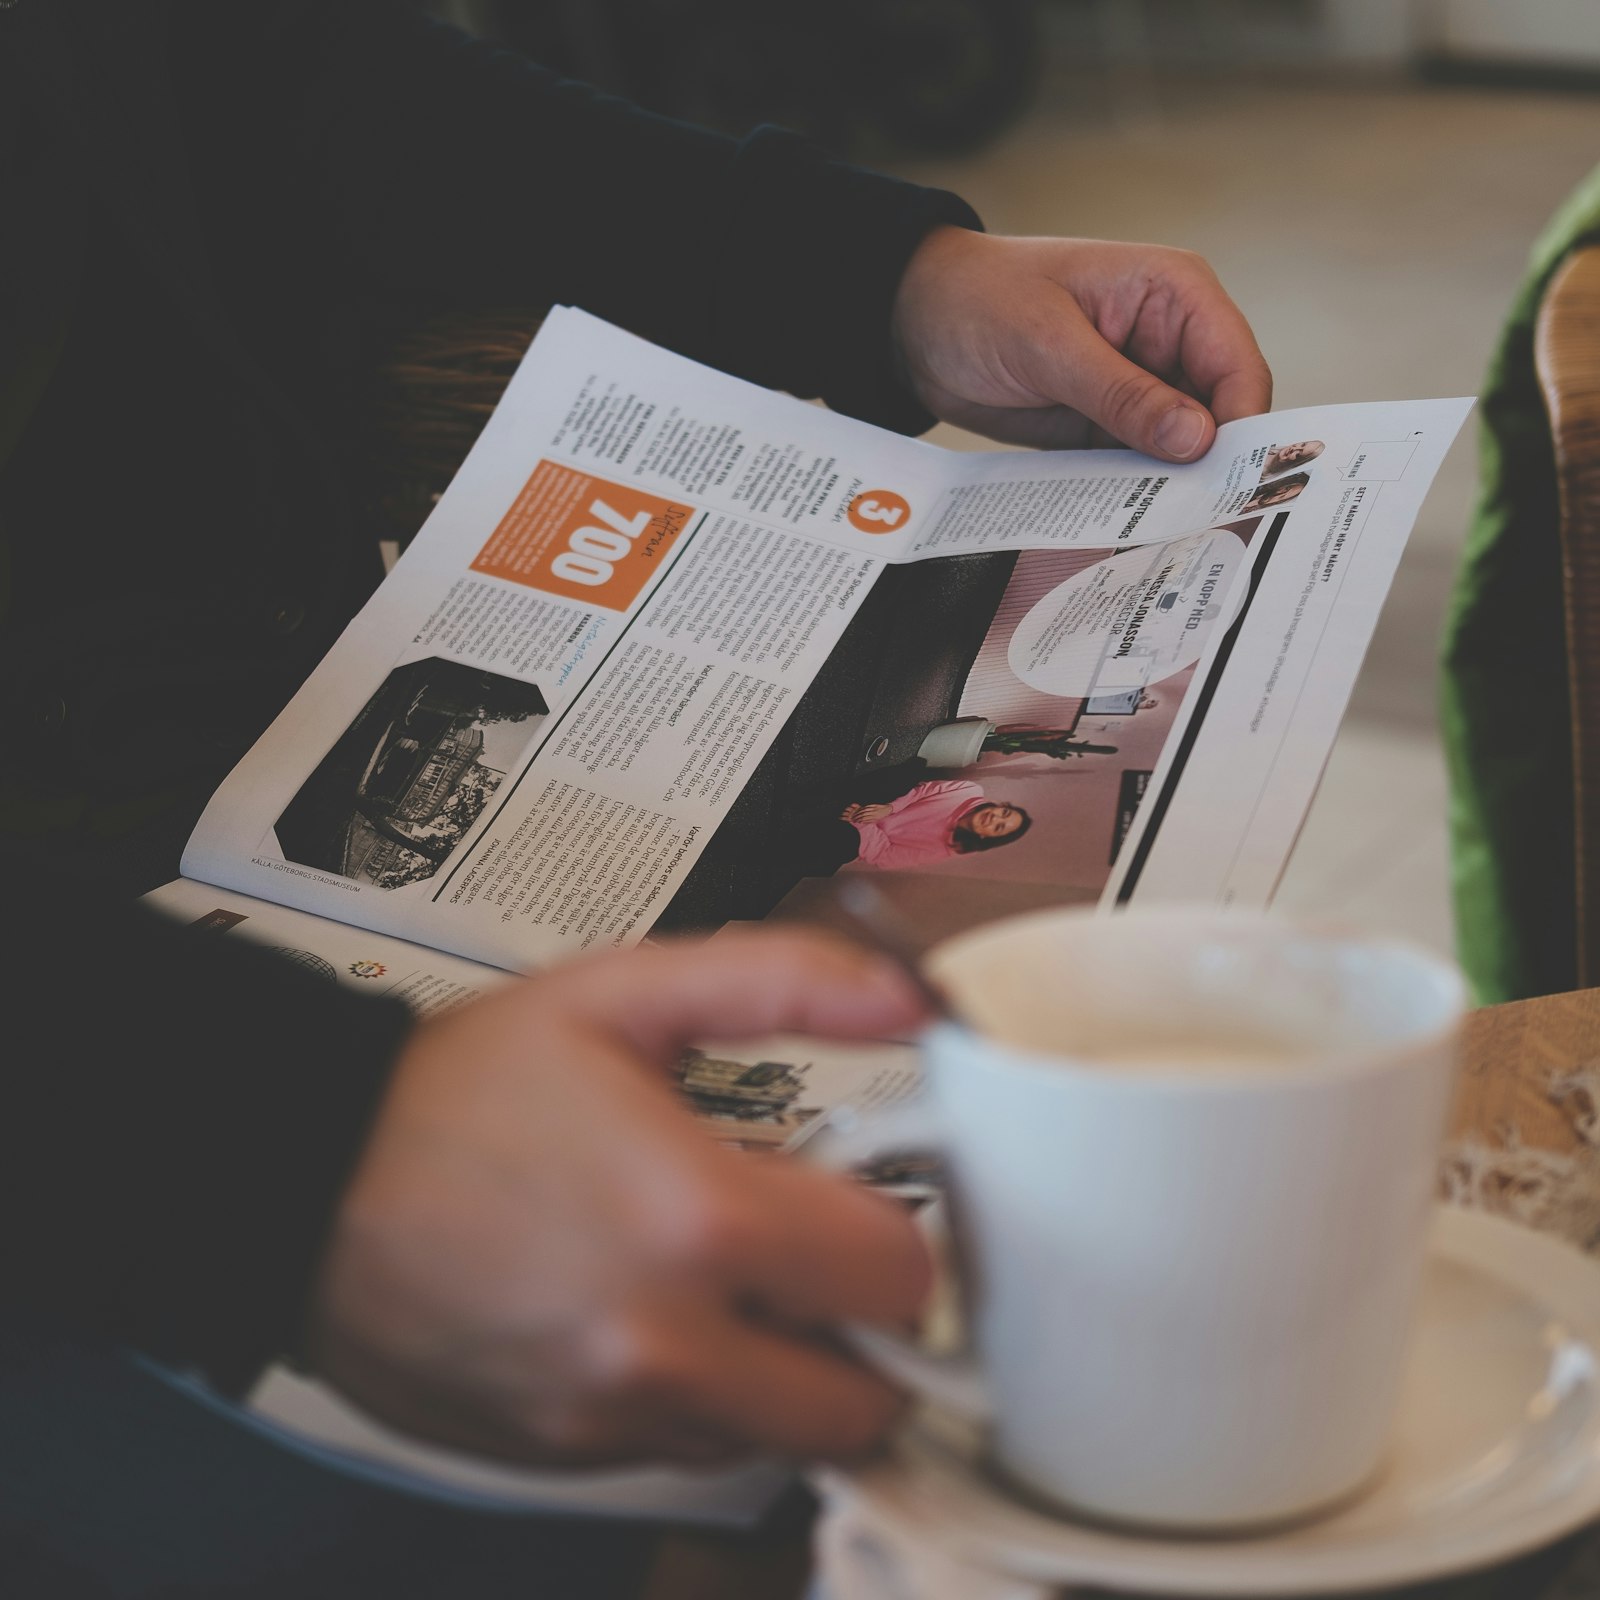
(1148, 721)
(759, 1095)
(1231, 791)
(522, 743)
(528, 739)
(429, 982)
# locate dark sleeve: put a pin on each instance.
(446, 166)
(178, 1115)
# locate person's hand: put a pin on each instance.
(1065, 342)
(541, 1257)
(865, 813)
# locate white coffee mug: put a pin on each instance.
(1191, 1159)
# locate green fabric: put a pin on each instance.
(1505, 699)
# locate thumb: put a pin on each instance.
(1129, 403)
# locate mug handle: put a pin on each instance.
(848, 1139)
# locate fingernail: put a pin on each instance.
(1180, 432)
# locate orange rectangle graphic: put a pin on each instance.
(582, 537)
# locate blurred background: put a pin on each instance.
(1365, 175)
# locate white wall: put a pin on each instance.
(1560, 32)
(1380, 31)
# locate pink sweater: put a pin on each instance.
(920, 826)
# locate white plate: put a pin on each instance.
(1496, 1452)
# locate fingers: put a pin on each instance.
(704, 1384)
(794, 1398)
(1219, 354)
(1166, 312)
(830, 1251)
(746, 983)
(1109, 399)
(1245, 393)
(799, 1243)
(1132, 405)
(701, 1387)
(728, 1350)
(1080, 342)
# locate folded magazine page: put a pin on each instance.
(760, 1095)
(674, 650)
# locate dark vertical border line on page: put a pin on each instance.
(572, 705)
(1191, 732)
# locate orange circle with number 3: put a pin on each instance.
(879, 511)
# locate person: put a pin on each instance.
(494, 1229)
(902, 819)
(934, 821)
(1279, 492)
(1286, 457)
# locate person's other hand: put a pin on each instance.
(865, 813)
(541, 1257)
(1064, 342)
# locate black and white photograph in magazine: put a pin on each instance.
(751, 1105)
(396, 794)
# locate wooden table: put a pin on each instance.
(1524, 1144)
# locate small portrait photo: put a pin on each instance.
(903, 819)
(1276, 493)
(1287, 457)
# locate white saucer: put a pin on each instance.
(1496, 1452)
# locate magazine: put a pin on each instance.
(674, 651)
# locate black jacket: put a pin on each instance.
(210, 200)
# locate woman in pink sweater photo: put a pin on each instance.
(933, 822)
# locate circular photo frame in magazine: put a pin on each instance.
(1132, 619)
